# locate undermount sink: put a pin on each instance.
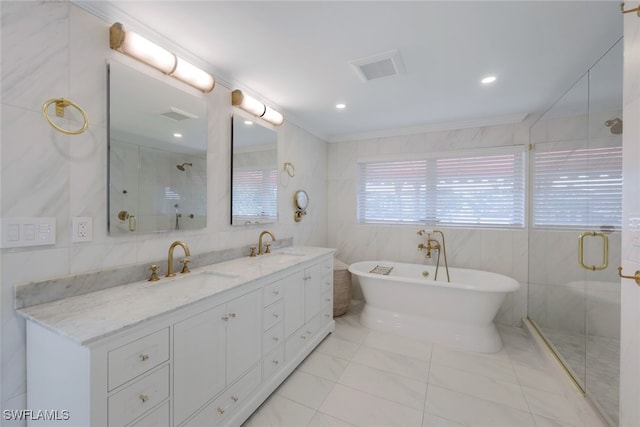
(280, 257)
(204, 278)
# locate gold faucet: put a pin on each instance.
(273, 238)
(434, 244)
(187, 252)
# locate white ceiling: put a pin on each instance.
(295, 55)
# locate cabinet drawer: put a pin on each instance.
(327, 267)
(157, 418)
(139, 397)
(272, 315)
(273, 293)
(327, 299)
(300, 338)
(137, 357)
(327, 284)
(272, 362)
(326, 314)
(217, 411)
(272, 338)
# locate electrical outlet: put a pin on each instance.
(81, 229)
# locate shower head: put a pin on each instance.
(615, 125)
(182, 166)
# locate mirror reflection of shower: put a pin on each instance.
(178, 215)
(615, 125)
(182, 167)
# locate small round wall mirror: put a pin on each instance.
(301, 201)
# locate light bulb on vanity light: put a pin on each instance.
(256, 107)
(143, 50)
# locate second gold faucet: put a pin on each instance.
(187, 253)
(273, 238)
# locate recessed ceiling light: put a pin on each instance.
(341, 106)
(248, 122)
(488, 80)
(177, 135)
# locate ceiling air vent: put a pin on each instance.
(178, 115)
(384, 64)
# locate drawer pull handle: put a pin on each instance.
(327, 315)
(307, 277)
(225, 318)
(275, 315)
(221, 411)
(275, 339)
(276, 292)
(232, 315)
(275, 362)
(328, 300)
(303, 337)
(144, 357)
(235, 399)
(143, 398)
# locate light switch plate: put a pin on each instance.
(27, 231)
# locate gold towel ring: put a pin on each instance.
(291, 171)
(61, 104)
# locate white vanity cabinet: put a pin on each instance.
(211, 362)
(212, 350)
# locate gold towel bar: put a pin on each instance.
(637, 9)
(61, 104)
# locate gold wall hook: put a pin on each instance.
(636, 9)
(290, 169)
(61, 104)
(636, 277)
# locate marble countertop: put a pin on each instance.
(96, 315)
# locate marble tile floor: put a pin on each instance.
(360, 377)
(598, 367)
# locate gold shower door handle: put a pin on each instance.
(605, 252)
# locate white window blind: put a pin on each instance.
(479, 190)
(254, 193)
(578, 188)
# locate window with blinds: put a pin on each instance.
(578, 188)
(479, 190)
(254, 193)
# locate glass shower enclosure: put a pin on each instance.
(574, 235)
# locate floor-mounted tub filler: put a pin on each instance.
(404, 299)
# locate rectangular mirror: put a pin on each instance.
(157, 155)
(254, 172)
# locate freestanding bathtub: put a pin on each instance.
(409, 302)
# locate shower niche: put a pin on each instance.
(157, 155)
(575, 230)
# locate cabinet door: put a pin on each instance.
(244, 333)
(199, 361)
(293, 302)
(312, 291)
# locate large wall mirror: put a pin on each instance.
(254, 172)
(157, 155)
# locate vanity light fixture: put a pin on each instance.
(341, 106)
(256, 107)
(143, 50)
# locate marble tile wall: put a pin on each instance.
(53, 49)
(630, 333)
(501, 251)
